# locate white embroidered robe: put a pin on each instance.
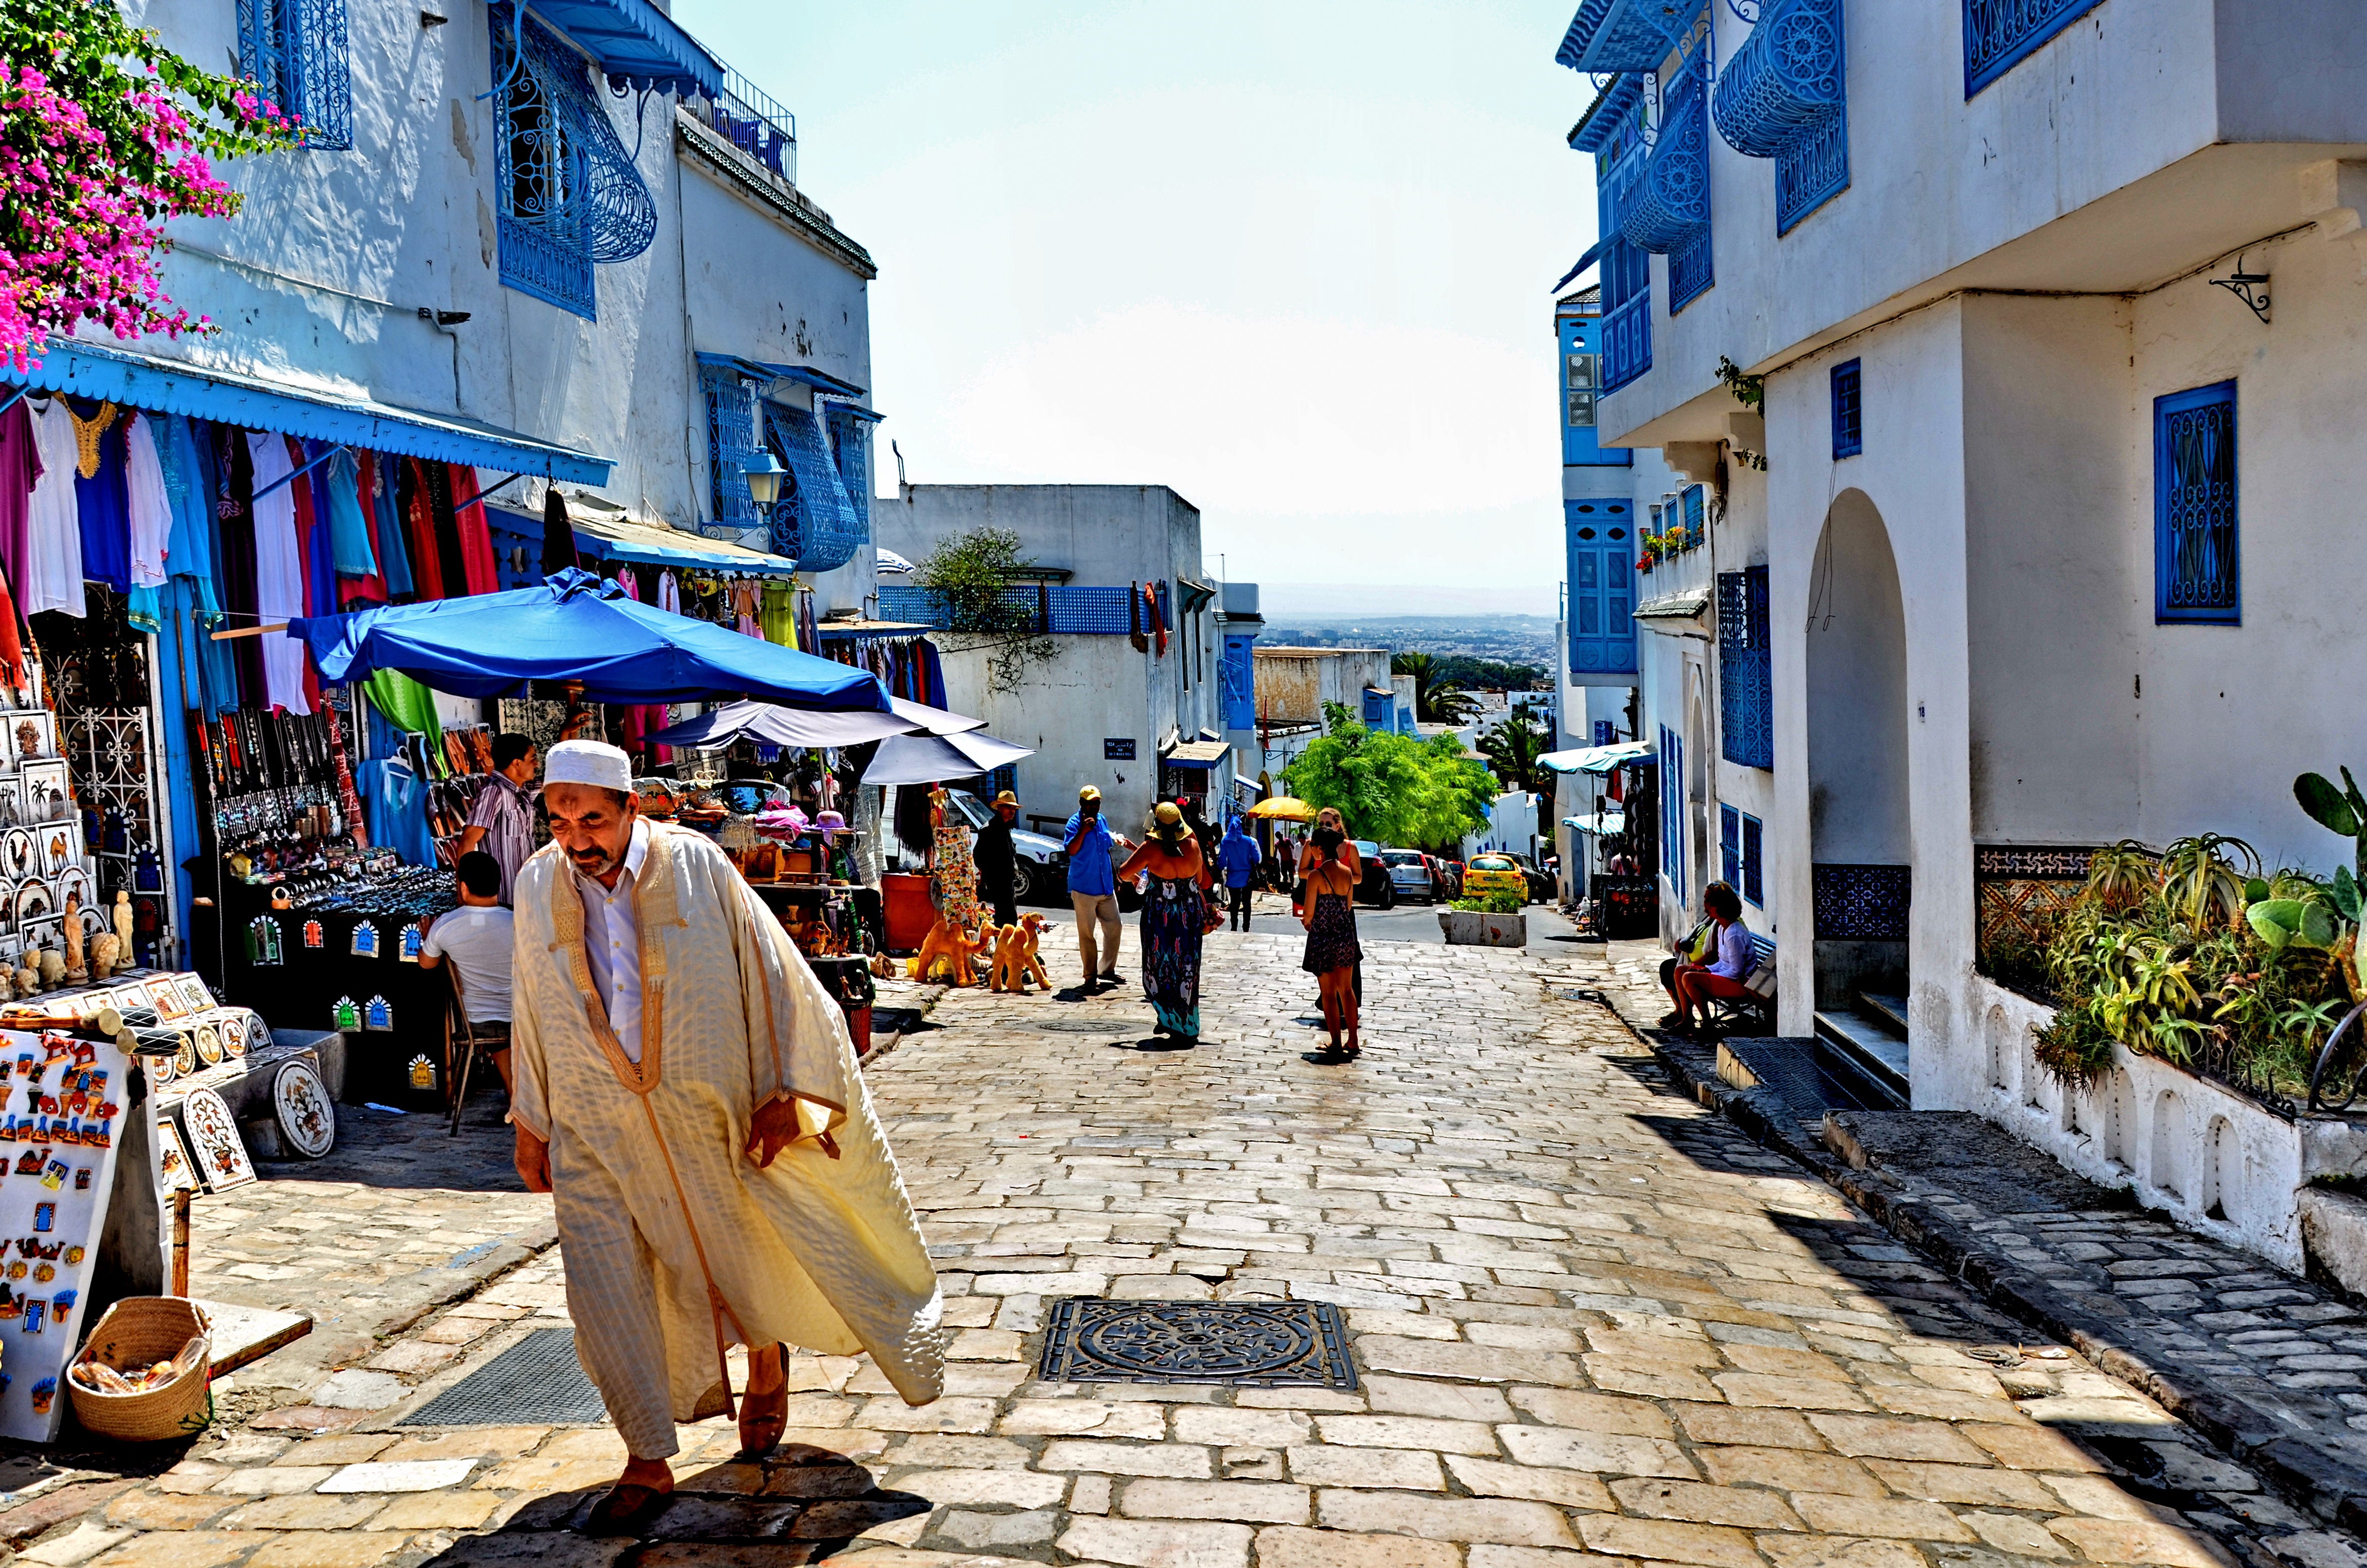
(675, 1242)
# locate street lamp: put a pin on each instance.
(763, 479)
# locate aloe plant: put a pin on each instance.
(2342, 811)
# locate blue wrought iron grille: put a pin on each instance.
(730, 444)
(1088, 611)
(1626, 272)
(1753, 884)
(569, 193)
(1812, 171)
(1785, 95)
(1668, 207)
(847, 436)
(1746, 676)
(298, 51)
(2194, 517)
(1729, 846)
(2001, 34)
(812, 523)
(1848, 411)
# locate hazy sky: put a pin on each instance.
(1293, 258)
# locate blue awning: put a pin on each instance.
(1597, 759)
(765, 370)
(1619, 35)
(1593, 252)
(637, 45)
(229, 397)
(646, 543)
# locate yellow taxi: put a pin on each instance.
(1494, 873)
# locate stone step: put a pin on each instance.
(1865, 1049)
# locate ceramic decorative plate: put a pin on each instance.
(173, 1170)
(232, 1029)
(161, 1070)
(209, 1044)
(34, 899)
(184, 1061)
(214, 1143)
(308, 1124)
(73, 880)
(19, 856)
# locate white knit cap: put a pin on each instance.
(594, 763)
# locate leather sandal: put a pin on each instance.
(627, 1509)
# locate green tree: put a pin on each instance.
(1514, 746)
(970, 577)
(1435, 701)
(1392, 788)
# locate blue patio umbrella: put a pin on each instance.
(576, 626)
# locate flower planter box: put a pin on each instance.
(1471, 928)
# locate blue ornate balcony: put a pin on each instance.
(1785, 84)
(1670, 209)
(1618, 35)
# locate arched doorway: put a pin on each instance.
(1859, 825)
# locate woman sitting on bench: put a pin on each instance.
(1694, 984)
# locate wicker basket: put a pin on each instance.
(140, 1331)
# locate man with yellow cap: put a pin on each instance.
(687, 1090)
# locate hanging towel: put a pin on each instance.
(350, 534)
(279, 574)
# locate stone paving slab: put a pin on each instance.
(1594, 1324)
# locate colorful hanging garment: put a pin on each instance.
(20, 471)
(188, 547)
(481, 569)
(52, 575)
(103, 502)
(312, 539)
(419, 518)
(236, 510)
(366, 588)
(386, 516)
(279, 574)
(629, 583)
(451, 555)
(151, 504)
(350, 534)
(779, 615)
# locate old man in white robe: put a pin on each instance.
(687, 1091)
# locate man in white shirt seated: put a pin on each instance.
(475, 939)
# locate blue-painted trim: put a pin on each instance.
(138, 381)
(1617, 35)
(765, 370)
(1607, 116)
(2001, 34)
(1754, 887)
(2224, 494)
(1849, 409)
(1729, 846)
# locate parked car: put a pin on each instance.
(1039, 866)
(1374, 886)
(1450, 878)
(1409, 873)
(1541, 886)
(1492, 874)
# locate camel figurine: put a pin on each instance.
(954, 946)
(1015, 957)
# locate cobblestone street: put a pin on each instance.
(1593, 1324)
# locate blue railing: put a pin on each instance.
(752, 120)
(1668, 209)
(1785, 95)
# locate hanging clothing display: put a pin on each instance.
(629, 583)
(669, 592)
(386, 518)
(279, 574)
(349, 537)
(21, 470)
(52, 575)
(779, 615)
(419, 520)
(103, 505)
(407, 705)
(188, 482)
(480, 571)
(151, 504)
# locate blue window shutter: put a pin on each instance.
(1672, 811)
(730, 444)
(1746, 680)
(298, 51)
(1730, 845)
(2001, 34)
(1606, 733)
(1753, 876)
(2196, 535)
(813, 523)
(1600, 541)
(1625, 272)
(1848, 411)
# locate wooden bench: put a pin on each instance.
(1753, 1014)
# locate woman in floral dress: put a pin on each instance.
(1328, 867)
(1174, 917)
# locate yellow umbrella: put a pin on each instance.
(1288, 805)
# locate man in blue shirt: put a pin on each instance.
(1093, 884)
(1236, 857)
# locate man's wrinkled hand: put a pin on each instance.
(772, 1129)
(533, 1161)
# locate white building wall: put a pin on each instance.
(1093, 689)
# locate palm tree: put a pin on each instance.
(1514, 747)
(1432, 704)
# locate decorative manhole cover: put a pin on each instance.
(537, 1382)
(1245, 1344)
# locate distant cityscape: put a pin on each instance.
(1515, 652)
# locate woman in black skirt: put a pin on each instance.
(1328, 867)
